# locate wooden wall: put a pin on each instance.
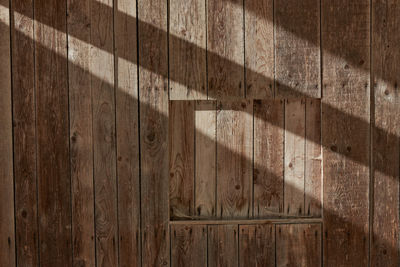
(85, 112)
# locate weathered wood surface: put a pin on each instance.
(298, 245)
(384, 247)
(187, 49)
(7, 235)
(189, 245)
(223, 250)
(346, 131)
(53, 159)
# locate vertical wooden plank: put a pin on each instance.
(257, 245)
(104, 144)
(187, 49)
(53, 161)
(127, 130)
(189, 245)
(297, 48)
(80, 103)
(346, 131)
(298, 245)
(234, 159)
(205, 149)
(313, 158)
(386, 74)
(153, 103)
(24, 120)
(295, 130)
(268, 157)
(223, 248)
(225, 46)
(181, 158)
(7, 236)
(259, 46)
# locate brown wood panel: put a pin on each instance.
(234, 159)
(313, 159)
(127, 130)
(187, 49)
(385, 77)
(346, 131)
(53, 161)
(81, 143)
(223, 247)
(297, 48)
(7, 236)
(181, 158)
(205, 158)
(259, 46)
(153, 95)
(298, 245)
(268, 157)
(295, 130)
(24, 120)
(225, 46)
(104, 144)
(189, 245)
(257, 245)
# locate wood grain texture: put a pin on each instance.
(295, 130)
(257, 245)
(53, 161)
(187, 49)
(181, 158)
(268, 157)
(189, 245)
(298, 245)
(24, 123)
(297, 48)
(384, 247)
(205, 158)
(104, 143)
(225, 45)
(234, 159)
(7, 235)
(127, 130)
(346, 131)
(154, 131)
(313, 159)
(223, 245)
(81, 143)
(259, 46)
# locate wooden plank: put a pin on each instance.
(153, 73)
(225, 46)
(189, 245)
(187, 49)
(346, 131)
(104, 144)
(81, 143)
(384, 247)
(297, 48)
(257, 245)
(181, 158)
(205, 149)
(313, 159)
(234, 159)
(295, 130)
(259, 46)
(7, 236)
(24, 120)
(223, 247)
(127, 127)
(281, 220)
(268, 157)
(53, 161)
(298, 245)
